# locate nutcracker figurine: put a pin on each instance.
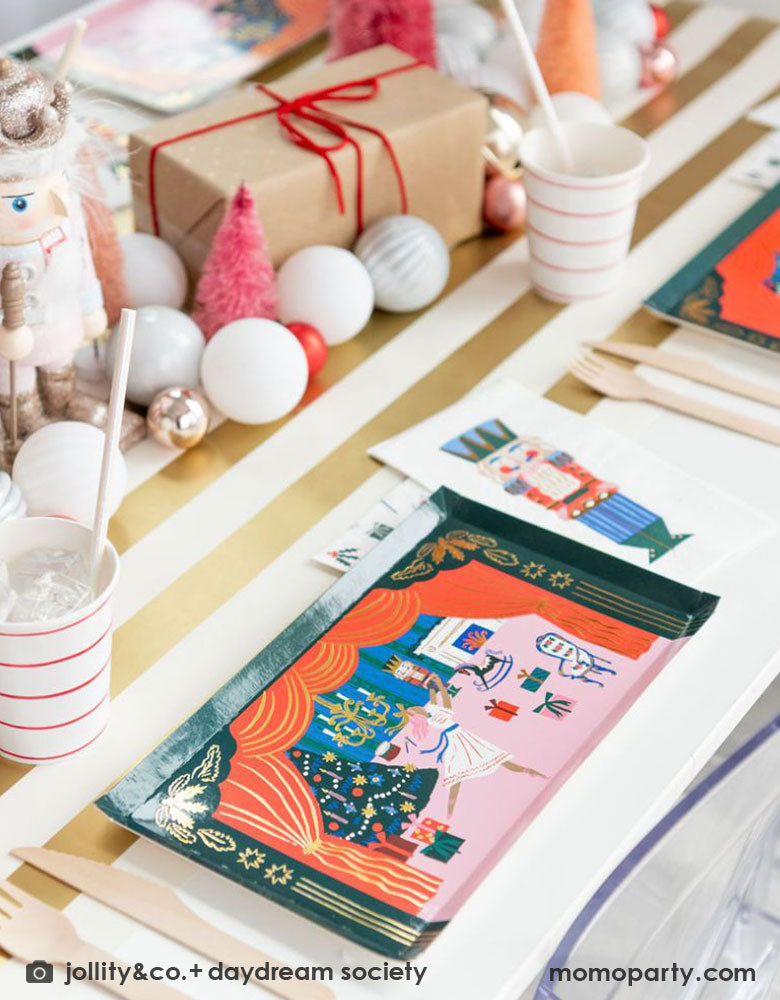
(525, 466)
(43, 231)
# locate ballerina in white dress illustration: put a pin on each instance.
(461, 754)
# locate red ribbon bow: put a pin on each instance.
(307, 108)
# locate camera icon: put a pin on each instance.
(40, 972)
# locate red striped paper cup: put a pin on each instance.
(579, 225)
(55, 675)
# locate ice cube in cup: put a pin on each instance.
(7, 593)
(25, 569)
(48, 584)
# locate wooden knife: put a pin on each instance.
(157, 906)
(692, 368)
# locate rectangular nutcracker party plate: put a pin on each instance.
(372, 764)
(732, 286)
(170, 55)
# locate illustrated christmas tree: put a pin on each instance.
(356, 25)
(238, 278)
(360, 799)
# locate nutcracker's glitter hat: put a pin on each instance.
(480, 441)
(34, 119)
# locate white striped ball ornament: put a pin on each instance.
(408, 261)
(468, 21)
(58, 471)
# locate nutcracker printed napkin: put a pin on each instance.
(518, 452)
(361, 537)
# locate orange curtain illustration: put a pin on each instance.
(270, 801)
(747, 300)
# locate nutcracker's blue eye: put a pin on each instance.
(20, 205)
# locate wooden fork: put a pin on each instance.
(31, 930)
(622, 383)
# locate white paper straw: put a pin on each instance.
(537, 83)
(71, 47)
(116, 408)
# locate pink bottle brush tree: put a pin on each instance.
(238, 278)
(356, 25)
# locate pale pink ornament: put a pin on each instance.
(659, 65)
(504, 203)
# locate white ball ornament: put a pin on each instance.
(154, 272)
(573, 107)
(58, 471)
(504, 51)
(632, 20)
(620, 64)
(327, 287)
(495, 80)
(456, 57)
(254, 371)
(408, 261)
(469, 22)
(167, 349)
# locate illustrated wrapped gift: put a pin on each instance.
(555, 706)
(444, 846)
(325, 152)
(428, 829)
(393, 846)
(503, 710)
(533, 680)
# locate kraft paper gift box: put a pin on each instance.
(379, 103)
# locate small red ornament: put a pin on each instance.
(503, 205)
(313, 344)
(661, 19)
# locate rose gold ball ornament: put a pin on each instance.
(502, 141)
(660, 64)
(503, 206)
(178, 417)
